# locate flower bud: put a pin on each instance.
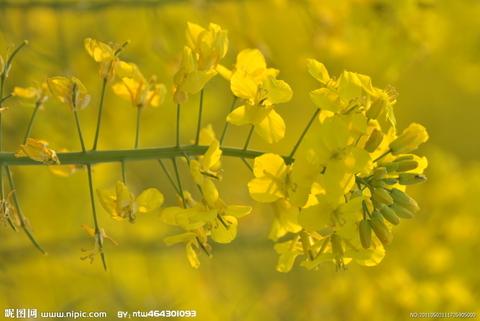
(412, 137)
(411, 178)
(402, 199)
(374, 141)
(380, 229)
(382, 196)
(389, 215)
(365, 231)
(401, 211)
(379, 173)
(376, 108)
(407, 165)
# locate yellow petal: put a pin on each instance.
(98, 50)
(318, 71)
(222, 234)
(271, 128)
(149, 200)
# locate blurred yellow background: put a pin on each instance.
(428, 50)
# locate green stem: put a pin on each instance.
(2, 195)
(224, 132)
(249, 137)
(179, 182)
(98, 232)
(382, 156)
(5, 98)
(199, 122)
(115, 156)
(299, 141)
(137, 130)
(170, 179)
(21, 216)
(100, 112)
(79, 130)
(32, 119)
(178, 125)
(247, 164)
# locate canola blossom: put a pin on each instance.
(337, 196)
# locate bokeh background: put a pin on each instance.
(428, 50)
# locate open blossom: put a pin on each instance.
(257, 85)
(105, 54)
(70, 91)
(204, 49)
(134, 87)
(38, 150)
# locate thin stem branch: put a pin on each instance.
(178, 125)
(100, 112)
(249, 137)
(224, 132)
(382, 156)
(98, 232)
(137, 130)
(23, 221)
(32, 119)
(199, 122)
(170, 179)
(247, 164)
(300, 139)
(79, 130)
(179, 182)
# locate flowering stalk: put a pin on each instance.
(200, 111)
(32, 119)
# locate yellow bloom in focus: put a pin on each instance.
(204, 49)
(134, 87)
(412, 137)
(123, 205)
(209, 45)
(257, 85)
(70, 91)
(37, 150)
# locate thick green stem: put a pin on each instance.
(137, 128)
(178, 125)
(224, 132)
(100, 112)
(115, 156)
(199, 122)
(23, 221)
(32, 119)
(98, 232)
(299, 141)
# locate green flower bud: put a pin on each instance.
(378, 183)
(389, 215)
(412, 137)
(365, 231)
(379, 173)
(377, 106)
(390, 181)
(380, 229)
(401, 211)
(406, 165)
(382, 196)
(374, 141)
(411, 178)
(402, 199)
(404, 158)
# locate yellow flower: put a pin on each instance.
(38, 150)
(285, 220)
(37, 94)
(412, 137)
(70, 91)
(193, 242)
(133, 86)
(105, 55)
(210, 45)
(258, 87)
(99, 238)
(124, 205)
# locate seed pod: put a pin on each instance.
(380, 229)
(382, 196)
(365, 233)
(402, 199)
(404, 158)
(389, 215)
(401, 211)
(391, 167)
(374, 141)
(411, 178)
(377, 183)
